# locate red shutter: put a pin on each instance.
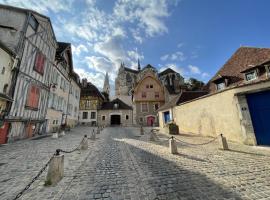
(36, 98)
(39, 63)
(33, 97)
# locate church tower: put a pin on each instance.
(106, 86)
(139, 65)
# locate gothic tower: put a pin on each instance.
(106, 86)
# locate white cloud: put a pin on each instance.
(205, 75)
(179, 45)
(177, 56)
(80, 48)
(194, 70)
(42, 6)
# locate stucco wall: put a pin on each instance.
(219, 113)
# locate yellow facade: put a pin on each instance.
(219, 113)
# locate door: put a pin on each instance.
(150, 120)
(4, 133)
(259, 107)
(115, 120)
(166, 116)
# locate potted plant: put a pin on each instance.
(173, 128)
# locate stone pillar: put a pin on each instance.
(152, 136)
(172, 146)
(223, 142)
(142, 131)
(93, 135)
(55, 135)
(62, 133)
(56, 169)
(84, 143)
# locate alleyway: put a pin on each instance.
(122, 165)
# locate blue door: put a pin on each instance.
(259, 107)
(167, 116)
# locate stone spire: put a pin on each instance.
(139, 65)
(106, 86)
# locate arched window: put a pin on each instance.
(5, 89)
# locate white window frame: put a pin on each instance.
(221, 88)
(146, 106)
(251, 72)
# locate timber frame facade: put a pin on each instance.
(30, 35)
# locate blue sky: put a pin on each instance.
(194, 37)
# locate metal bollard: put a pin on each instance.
(223, 142)
(93, 135)
(56, 169)
(84, 143)
(142, 131)
(172, 145)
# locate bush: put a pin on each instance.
(173, 129)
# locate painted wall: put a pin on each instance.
(74, 100)
(6, 63)
(219, 113)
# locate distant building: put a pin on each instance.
(31, 37)
(90, 101)
(115, 112)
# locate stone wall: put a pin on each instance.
(108, 113)
(225, 112)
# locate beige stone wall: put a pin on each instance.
(219, 113)
(108, 113)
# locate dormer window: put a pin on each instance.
(115, 105)
(252, 75)
(220, 86)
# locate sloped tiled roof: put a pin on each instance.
(110, 105)
(166, 71)
(243, 59)
(91, 90)
(182, 97)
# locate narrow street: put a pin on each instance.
(121, 164)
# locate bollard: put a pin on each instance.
(62, 133)
(84, 143)
(56, 169)
(93, 135)
(142, 132)
(172, 146)
(223, 142)
(152, 136)
(55, 135)
(98, 131)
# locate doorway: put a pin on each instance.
(115, 119)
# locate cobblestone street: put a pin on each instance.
(120, 164)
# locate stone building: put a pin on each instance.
(7, 63)
(148, 97)
(238, 103)
(61, 102)
(115, 112)
(90, 101)
(127, 80)
(31, 37)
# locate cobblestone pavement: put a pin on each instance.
(122, 165)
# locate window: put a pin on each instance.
(5, 89)
(88, 103)
(147, 86)
(3, 70)
(141, 119)
(156, 95)
(143, 94)
(156, 106)
(33, 23)
(151, 86)
(251, 76)
(33, 97)
(220, 86)
(85, 115)
(103, 118)
(93, 115)
(75, 111)
(127, 117)
(116, 106)
(39, 63)
(144, 107)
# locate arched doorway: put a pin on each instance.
(150, 120)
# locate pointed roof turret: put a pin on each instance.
(139, 65)
(106, 86)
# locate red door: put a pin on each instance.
(150, 120)
(4, 133)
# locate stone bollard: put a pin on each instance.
(172, 146)
(152, 136)
(142, 132)
(56, 169)
(223, 142)
(84, 143)
(62, 133)
(98, 130)
(55, 135)
(93, 135)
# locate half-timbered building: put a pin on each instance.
(31, 37)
